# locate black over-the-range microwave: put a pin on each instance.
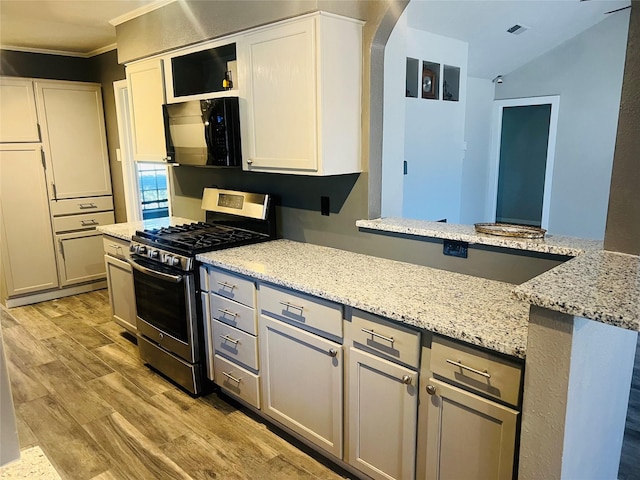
(203, 132)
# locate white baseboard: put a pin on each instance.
(53, 294)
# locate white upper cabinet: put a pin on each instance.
(146, 97)
(74, 138)
(300, 90)
(18, 118)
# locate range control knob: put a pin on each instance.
(141, 249)
(133, 248)
(175, 261)
(154, 254)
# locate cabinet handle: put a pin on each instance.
(55, 193)
(61, 246)
(406, 379)
(231, 377)
(463, 366)
(249, 161)
(227, 285)
(85, 206)
(224, 311)
(86, 223)
(374, 334)
(431, 390)
(333, 352)
(291, 305)
(116, 246)
(227, 338)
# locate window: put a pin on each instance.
(152, 182)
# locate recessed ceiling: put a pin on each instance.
(483, 25)
(67, 27)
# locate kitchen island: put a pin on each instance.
(578, 336)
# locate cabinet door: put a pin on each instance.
(28, 256)
(121, 293)
(280, 107)
(80, 257)
(468, 436)
(146, 97)
(383, 408)
(302, 382)
(18, 118)
(74, 137)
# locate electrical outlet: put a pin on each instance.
(454, 248)
(324, 206)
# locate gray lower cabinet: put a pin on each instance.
(301, 375)
(120, 282)
(383, 402)
(468, 436)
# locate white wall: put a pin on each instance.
(586, 72)
(428, 134)
(393, 120)
(475, 166)
(434, 135)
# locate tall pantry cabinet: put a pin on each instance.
(55, 188)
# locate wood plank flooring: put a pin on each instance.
(84, 397)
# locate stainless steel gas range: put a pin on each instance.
(169, 319)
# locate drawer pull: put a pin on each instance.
(231, 377)
(224, 311)
(333, 352)
(406, 379)
(463, 366)
(291, 305)
(86, 223)
(227, 338)
(115, 246)
(374, 334)
(230, 286)
(85, 206)
(431, 390)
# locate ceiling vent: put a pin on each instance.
(517, 29)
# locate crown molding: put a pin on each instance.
(64, 53)
(139, 12)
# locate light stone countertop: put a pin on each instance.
(475, 310)
(552, 244)
(127, 230)
(599, 285)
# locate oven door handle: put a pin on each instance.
(153, 273)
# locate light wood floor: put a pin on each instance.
(83, 396)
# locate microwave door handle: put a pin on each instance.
(153, 273)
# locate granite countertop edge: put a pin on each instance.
(598, 285)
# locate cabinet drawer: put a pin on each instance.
(116, 247)
(82, 222)
(81, 205)
(235, 344)
(390, 340)
(301, 309)
(232, 286)
(234, 314)
(477, 370)
(237, 381)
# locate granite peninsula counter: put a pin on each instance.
(475, 310)
(551, 244)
